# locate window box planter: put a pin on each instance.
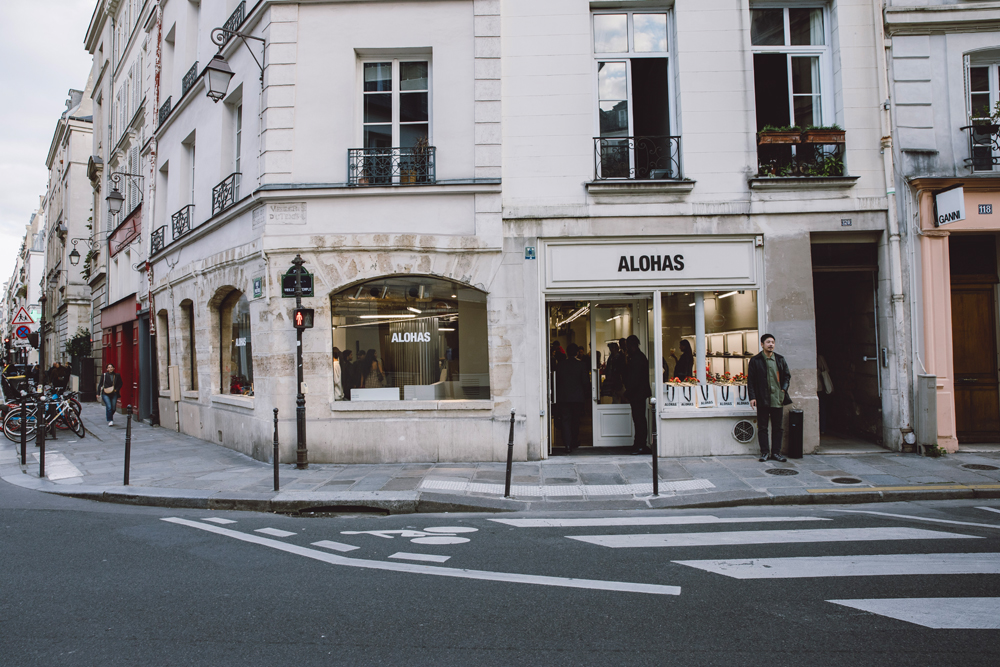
(779, 137)
(823, 136)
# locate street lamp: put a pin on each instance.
(218, 73)
(115, 199)
(74, 255)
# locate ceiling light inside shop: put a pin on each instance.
(414, 310)
(723, 296)
(690, 304)
(443, 329)
(405, 316)
(580, 313)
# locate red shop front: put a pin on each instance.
(121, 346)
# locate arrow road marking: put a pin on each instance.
(412, 568)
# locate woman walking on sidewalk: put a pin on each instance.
(109, 387)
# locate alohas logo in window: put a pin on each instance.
(414, 337)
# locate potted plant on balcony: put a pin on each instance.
(831, 134)
(415, 170)
(779, 135)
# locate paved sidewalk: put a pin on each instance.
(174, 470)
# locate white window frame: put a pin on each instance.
(993, 85)
(627, 57)
(825, 53)
(395, 59)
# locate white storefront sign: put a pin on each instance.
(654, 263)
(950, 206)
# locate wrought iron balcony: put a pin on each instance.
(391, 166)
(189, 79)
(181, 221)
(984, 146)
(234, 21)
(164, 112)
(158, 240)
(800, 159)
(226, 193)
(638, 158)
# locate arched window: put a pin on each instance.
(412, 338)
(235, 346)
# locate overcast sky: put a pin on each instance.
(42, 57)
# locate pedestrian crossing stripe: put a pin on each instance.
(850, 566)
(935, 613)
(925, 487)
(734, 538)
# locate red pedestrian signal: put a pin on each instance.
(303, 318)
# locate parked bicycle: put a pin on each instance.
(61, 413)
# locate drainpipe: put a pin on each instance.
(899, 322)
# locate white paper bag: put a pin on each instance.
(671, 396)
(685, 397)
(706, 395)
(725, 395)
(742, 396)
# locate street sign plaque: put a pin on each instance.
(288, 285)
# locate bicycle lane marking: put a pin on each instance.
(507, 577)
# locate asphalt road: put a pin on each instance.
(86, 583)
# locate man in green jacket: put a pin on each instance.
(767, 385)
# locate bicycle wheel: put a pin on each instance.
(75, 423)
(12, 426)
(74, 403)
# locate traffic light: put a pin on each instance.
(303, 318)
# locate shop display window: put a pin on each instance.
(237, 371)
(412, 338)
(712, 352)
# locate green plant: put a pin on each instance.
(787, 128)
(828, 128)
(79, 345)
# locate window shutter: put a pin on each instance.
(968, 89)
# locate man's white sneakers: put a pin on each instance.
(111, 423)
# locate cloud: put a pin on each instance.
(43, 55)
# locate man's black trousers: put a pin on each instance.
(639, 419)
(773, 415)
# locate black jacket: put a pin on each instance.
(757, 386)
(637, 377)
(106, 381)
(572, 381)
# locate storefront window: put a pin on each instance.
(237, 369)
(708, 339)
(412, 338)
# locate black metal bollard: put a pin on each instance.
(24, 432)
(128, 440)
(275, 456)
(40, 435)
(656, 470)
(510, 456)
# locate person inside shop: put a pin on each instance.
(768, 378)
(623, 346)
(684, 366)
(637, 391)
(338, 376)
(110, 388)
(572, 392)
(347, 372)
(614, 373)
(374, 377)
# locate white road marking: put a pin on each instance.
(937, 613)
(591, 584)
(335, 546)
(922, 518)
(765, 537)
(989, 509)
(219, 521)
(440, 539)
(58, 466)
(452, 530)
(430, 558)
(387, 534)
(538, 491)
(850, 566)
(644, 521)
(274, 531)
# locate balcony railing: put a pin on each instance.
(638, 158)
(165, 109)
(158, 240)
(984, 146)
(792, 156)
(189, 79)
(391, 166)
(234, 20)
(181, 221)
(226, 193)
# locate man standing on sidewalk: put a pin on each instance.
(637, 391)
(767, 385)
